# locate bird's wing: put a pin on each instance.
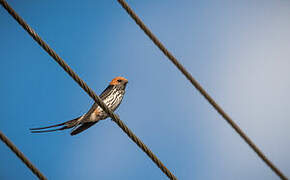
(103, 96)
(82, 127)
(106, 92)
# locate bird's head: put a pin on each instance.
(119, 81)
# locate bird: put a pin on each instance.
(112, 96)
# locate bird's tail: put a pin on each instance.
(65, 125)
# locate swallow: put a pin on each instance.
(112, 96)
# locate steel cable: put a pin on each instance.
(195, 83)
(85, 87)
(21, 156)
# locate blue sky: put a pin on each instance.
(238, 51)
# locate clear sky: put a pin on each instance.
(238, 50)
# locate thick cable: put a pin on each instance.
(195, 83)
(86, 88)
(21, 156)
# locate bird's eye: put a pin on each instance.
(119, 80)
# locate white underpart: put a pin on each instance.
(111, 101)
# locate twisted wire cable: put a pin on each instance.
(87, 89)
(21, 156)
(195, 83)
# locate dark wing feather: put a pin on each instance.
(103, 96)
(106, 92)
(82, 127)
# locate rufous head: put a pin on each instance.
(119, 81)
